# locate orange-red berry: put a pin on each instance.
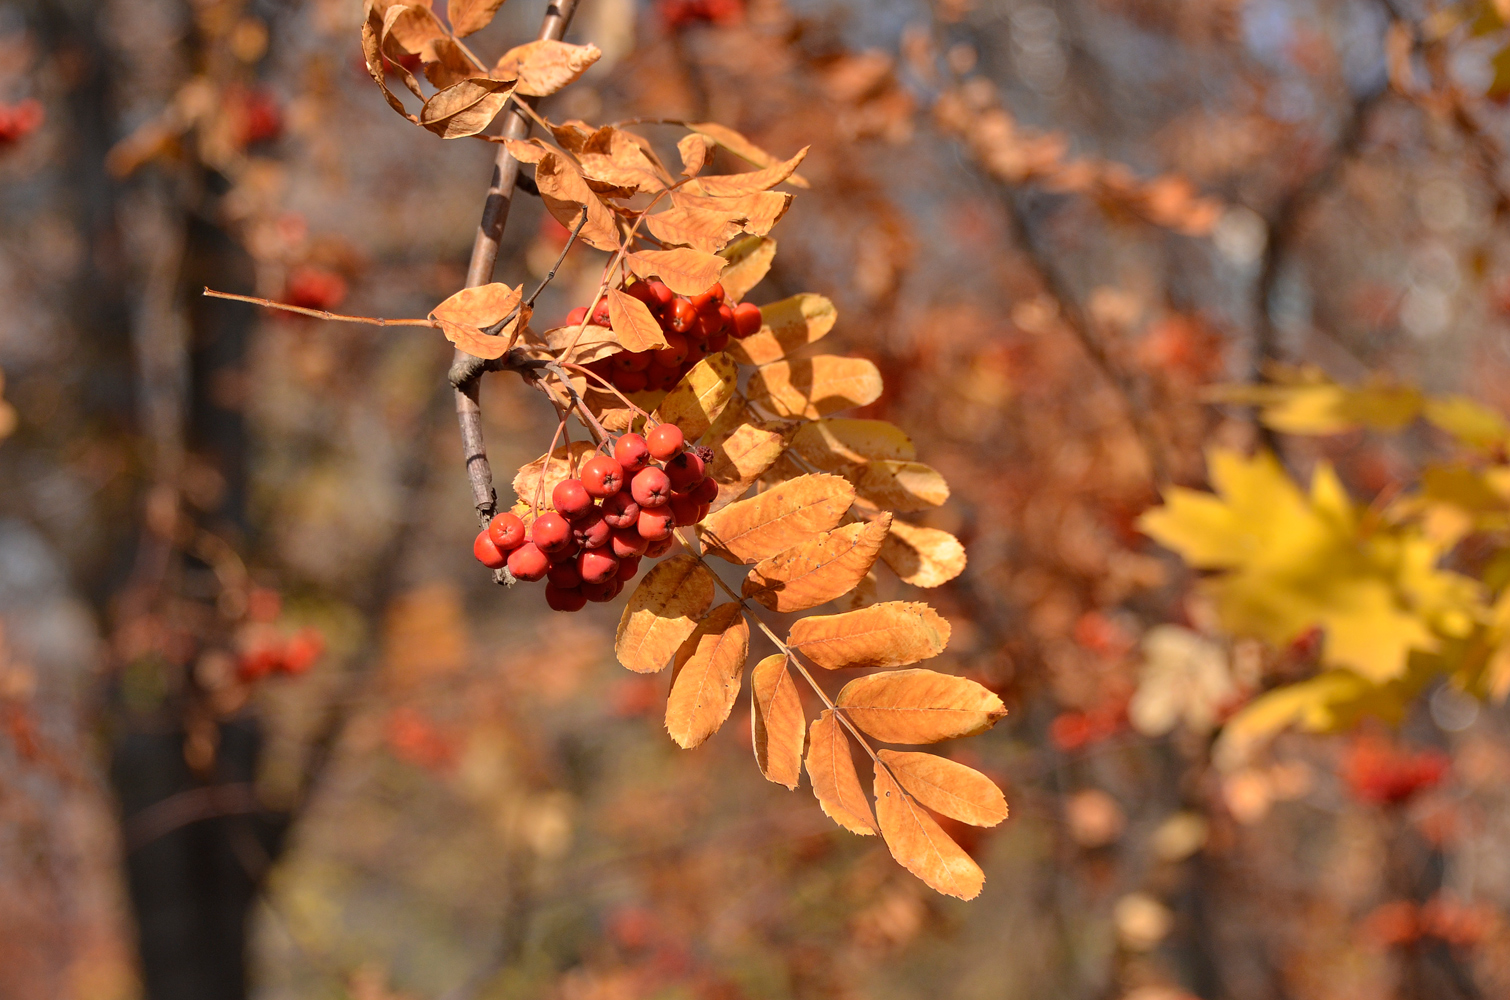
(564, 575)
(628, 568)
(620, 510)
(507, 531)
(632, 361)
(705, 491)
(631, 381)
(664, 296)
(628, 542)
(602, 476)
(684, 471)
(659, 377)
(675, 351)
(550, 532)
(631, 452)
(718, 341)
(486, 552)
(570, 498)
(709, 300)
(592, 531)
(746, 319)
(597, 566)
(564, 598)
(602, 593)
(682, 315)
(576, 316)
(665, 442)
(528, 563)
(659, 548)
(684, 509)
(657, 524)
(651, 488)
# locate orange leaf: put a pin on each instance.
(541, 68)
(465, 108)
(706, 680)
(923, 557)
(468, 16)
(374, 32)
(786, 326)
(696, 152)
(892, 634)
(729, 185)
(698, 228)
(834, 445)
(595, 343)
(749, 261)
(686, 271)
(836, 783)
(777, 519)
(473, 340)
(565, 193)
(743, 449)
(815, 387)
(633, 323)
(919, 706)
(920, 845)
(947, 787)
(901, 487)
(741, 147)
(700, 397)
(777, 723)
(760, 211)
(662, 612)
(622, 161)
(816, 571)
(481, 306)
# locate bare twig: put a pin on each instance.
(320, 313)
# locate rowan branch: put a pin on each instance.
(320, 313)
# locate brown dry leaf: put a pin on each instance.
(543, 67)
(920, 845)
(465, 108)
(706, 681)
(919, 706)
(633, 324)
(816, 571)
(731, 185)
(686, 271)
(891, 634)
(743, 449)
(833, 445)
(700, 397)
(481, 306)
(777, 519)
(473, 340)
(622, 163)
(749, 262)
(901, 487)
(468, 16)
(777, 723)
(696, 153)
(947, 787)
(760, 211)
(414, 27)
(562, 461)
(446, 64)
(662, 612)
(923, 557)
(372, 52)
(785, 327)
(565, 193)
(596, 343)
(836, 783)
(699, 228)
(815, 387)
(742, 147)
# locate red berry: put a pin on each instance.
(705, 491)
(507, 531)
(702, 510)
(628, 568)
(315, 288)
(633, 361)
(565, 553)
(675, 351)
(631, 452)
(550, 532)
(657, 524)
(486, 552)
(746, 319)
(664, 296)
(602, 476)
(628, 542)
(570, 498)
(650, 488)
(710, 300)
(684, 509)
(718, 341)
(665, 441)
(528, 563)
(620, 510)
(662, 377)
(684, 471)
(726, 318)
(576, 316)
(564, 598)
(591, 532)
(683, 314)
(632, 381)
(597, 566)
(564, 575)
(709, 324)
(657, 549)
(602, 593)
(600, 314)
(642, 291)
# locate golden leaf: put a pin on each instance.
(777, 519)
(742, 147)
(465, 108)
(891, 634)
(749, 261)
(920, 845)
(923, 557)
(947, 787)
(696, 153)
(662, 612)
(543, 67)
(834, 445)
(777, 723)
(919, 706)
(473, 340)
(706, 680)
(468, 16)
(565, 193)
(760, 211)
(481, 306)
(698, 228)
(729, 185)
(700, 397)
(595, 343)
(684, 270)
(561, 463)
(902, 487)
(633, 324)
(816, 571)
(743, 449)
(815, 387)
(1306, 401)
(836, 783)
(786, 326)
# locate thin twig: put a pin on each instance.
(320, 313)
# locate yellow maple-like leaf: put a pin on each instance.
(1305, 401)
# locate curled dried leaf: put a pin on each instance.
(595, 343)
(777, 519)
(890, 634)
(706, 682)
(834, 445)
(902, 487)
(633, 324)
(565, 193)
(817, 571)
(468, 16)
(543, 67)
(815, 387)
(372, 52)
(662, 612)
(777, 723)
(923, 557)
(786, 326)
(700, 397)
(684, 270)
(749, 262)
(465, 108)
(696, 152)
(446, 64)
(919, 706)
(836, 783)
(947, 787)
(727, 185)
(920, 845)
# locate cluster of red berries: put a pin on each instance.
(694, 328)
(314, 288)
(17, 121)
(256, 115)
(271, 653)
(679, 13)
(617, 510)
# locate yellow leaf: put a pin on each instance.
(543, 67)
(947, 787)
(919, 706)
(923, 557)
(700, 397)
(561, 464)
(684, 270)
(1307, 402)
(777, 519)
(749, 261)
(706, 681)
(742, 147)
(834, 445)
(786, 326)
(468, 16)
(902, 487)
(891, 634)
(920, 845)
(815, 387)
(633, 324)
(1469, 421)
(743, 449)
(465, 108)
(814, 572)
(760, 212)
(778, 726)
(698, 228)
(729, 185)
(836, 783)
(662, 612)
(481, 306)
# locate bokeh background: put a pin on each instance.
(1049, 222)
